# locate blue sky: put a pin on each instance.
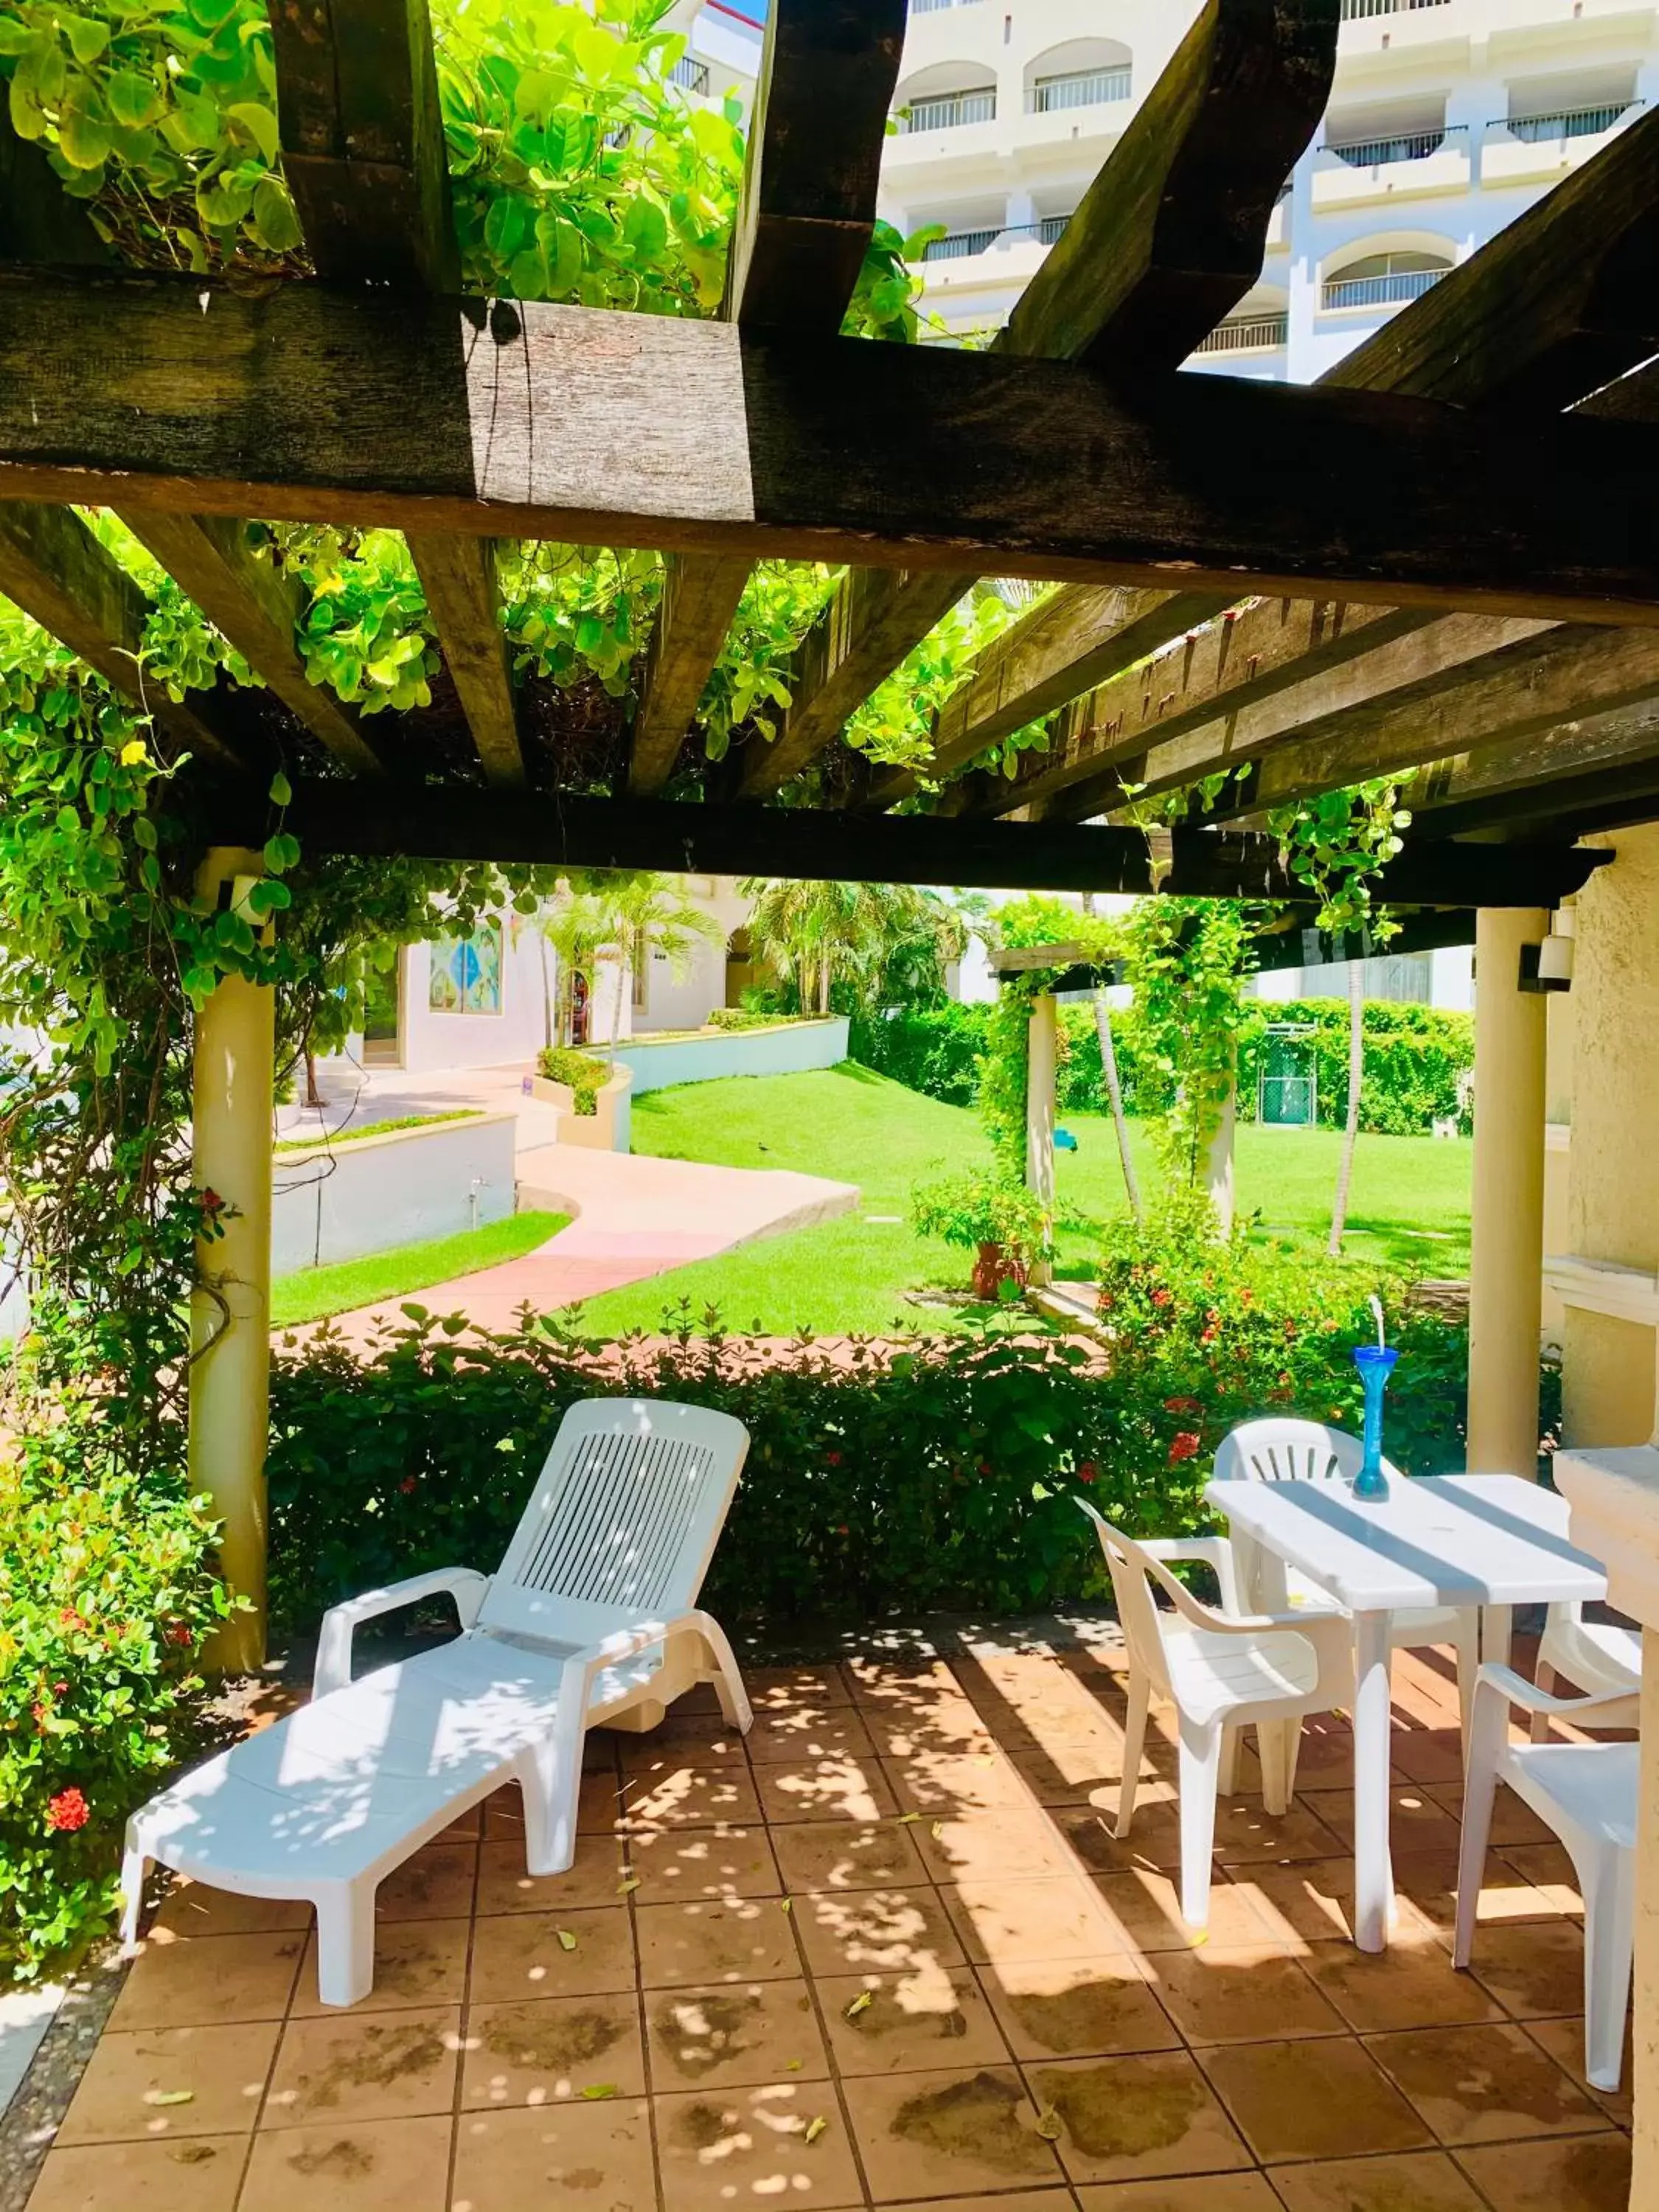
(753, 11)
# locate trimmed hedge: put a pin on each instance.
(1415, 1056)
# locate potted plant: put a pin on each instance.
(1002, 1224)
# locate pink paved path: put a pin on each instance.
(634, 1216)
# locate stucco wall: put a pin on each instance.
(378, 1193)
(1613, 1197)
(785, 1051)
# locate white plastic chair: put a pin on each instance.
(1276, 1450)
(1587, 1792)
(1596, 1656)
(1221, 1671)
(590, 1618)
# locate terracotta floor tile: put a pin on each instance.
(1422, 2181)
(1325, 2099)
(1146, 1905)
(1589, 2174)
(591, 2154)
(601, 1805)
(1428, 1756)
(737, 1940)
(1311, 1901)
(1077, 2008)
(701, 1741)
(1213, 2192)
(172, 2081)
(1429, 1880)
(551, 2048)
(198, 2176)
(961, 2132)
(809, 1732)
(520, 1954)
(847, 1854)
(1246, 1834)
(708, 1862)
(781, 1689)
(1026, 2200)
(436, 1884)
(942, 1729)
(674, 1794)
(876, 1931)
(1046, 1919)
(1550, 1872)
(993, 1846)
(1136, 2119)
(356, 2066)
(718, 2146)
(1482, 2084)
(202, 1981)
(1417, 1821)
(734, 2034)
(593, 1877)
(1563, 2039)
(1411, 1985)
(191, 1908)
(907, 2023)
(1061, 1777)
(1153, 1842)
(416, 1962)
(885, 1683)
(826, 1790)
(1536, 1972)
(939, 1785)
(1248, 1993)
(1515, 1826)
(684, 1726)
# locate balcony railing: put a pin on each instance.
(1095, 87)
(960, 244)
(1566, 121)
(690, 74)
(1352, 9)
(1246, 334)
(931, 7)
(1407, 146)
(950, 111)
(1379, 291)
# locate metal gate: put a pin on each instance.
(1287, 1084)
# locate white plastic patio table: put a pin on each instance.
(1492, 1540)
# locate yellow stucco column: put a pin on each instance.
(1041, 1052)
(1506, 1280)
(230, 1305)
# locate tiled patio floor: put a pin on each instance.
(885, 1952)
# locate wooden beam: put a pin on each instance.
(54, 568)
(463, 596)
(362, 140)
(1169, 238)
(1532, 779)
(253, 607)
(1584, 671)
(805, 220)
(1560, 301)
(312, 402)
(818, 845)
(38, 221)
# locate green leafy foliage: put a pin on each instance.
(1186, 960)
(975, 1211)
(1336, 843)
(106, 1593)
(580, 1073)
(734, 1018)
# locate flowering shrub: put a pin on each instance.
(106, 1593)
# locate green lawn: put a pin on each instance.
(316, 1292)
(1410, 1204)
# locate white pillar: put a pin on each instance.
(1216, 1169)
(1042, 1036)
(1506, 1277)
(230, 1305)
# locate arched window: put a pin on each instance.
(1380, 279)
(1080, 73)
(945, 96)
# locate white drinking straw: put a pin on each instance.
(1377, 1308)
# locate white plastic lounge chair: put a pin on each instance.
(1221, 1671)
(1596, 1656)
(1277, 1450)
(591, 1619)
(1587, 1792)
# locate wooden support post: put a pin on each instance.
(1040, 1054)
(230, 1306)
(1506, 1283)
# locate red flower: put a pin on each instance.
(178, 1633)
(68, 1811)
(1161, 1298)
(211, 1202)
(69, 1618)
(833, 1458)
(1087, 1472)
(1185, 1446)
(1246, 1297)
(1183, 1406)
(39, 1712)
(407, 1486)
(842, 1531)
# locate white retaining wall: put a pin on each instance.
(377, 1193)
(785, 1051)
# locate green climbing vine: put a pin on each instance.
(1337, 843)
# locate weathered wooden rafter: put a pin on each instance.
(317, 402)
(562, 831)
(1167, 240)
(1567, 768)
(805, 220)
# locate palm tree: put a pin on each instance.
(581, 926)
(1356, 1084)
(817, 935)
(1114, 1088)
(652, 914)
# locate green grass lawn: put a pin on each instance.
(316, 1292)
(1410, 1205)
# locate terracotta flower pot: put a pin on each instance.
(992, 1268)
